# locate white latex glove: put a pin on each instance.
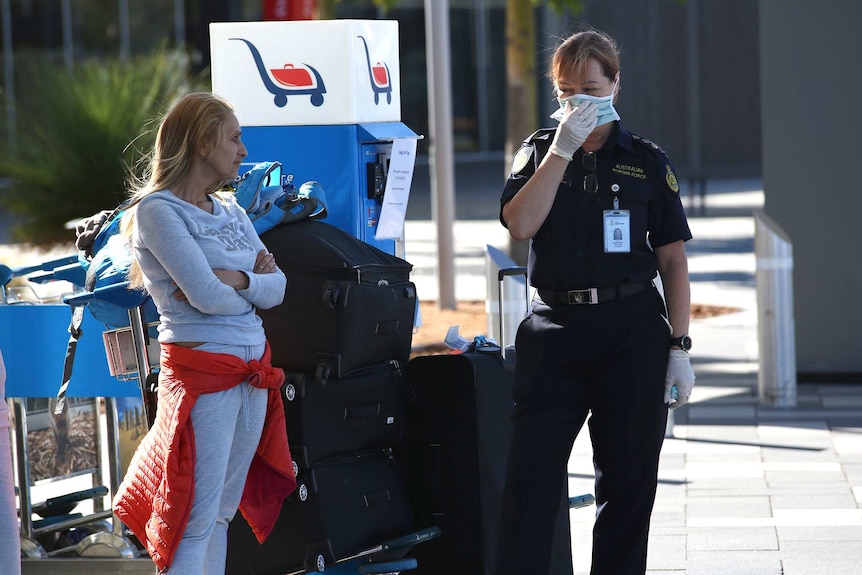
(679, 380)
(575, 125)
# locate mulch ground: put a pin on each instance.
(472, 320)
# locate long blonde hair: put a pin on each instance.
(193, 124)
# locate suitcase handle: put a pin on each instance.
(511, 271)
(501, 276)
(331, 295)
(322, 373)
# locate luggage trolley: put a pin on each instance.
(34, 340)
(129, 351)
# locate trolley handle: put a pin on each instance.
(66, 268)
(7, 273)
(118, 294)
(73, 273)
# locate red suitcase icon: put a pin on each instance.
(292, 76)
(381, 75)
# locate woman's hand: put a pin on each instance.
(264, 263)
(179, 295)
(575, 127)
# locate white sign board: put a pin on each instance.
(310, 72)
(397, 191)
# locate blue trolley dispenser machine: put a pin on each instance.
(323, 98)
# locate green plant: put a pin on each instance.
(80, 135)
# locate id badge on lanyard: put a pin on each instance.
(617, 228)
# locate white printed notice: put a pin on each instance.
(397, 190)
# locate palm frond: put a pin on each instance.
(80, 135)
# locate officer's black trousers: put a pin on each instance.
(607, 361)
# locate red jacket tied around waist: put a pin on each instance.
(155, 497)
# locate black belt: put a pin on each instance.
(592, 295)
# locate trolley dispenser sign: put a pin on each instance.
(397, 191)
(314, 72)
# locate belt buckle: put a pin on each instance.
(579, 296)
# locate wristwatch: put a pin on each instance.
(683, 341)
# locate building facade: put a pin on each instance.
(687, 67)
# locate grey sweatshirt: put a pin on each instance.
(178, 245)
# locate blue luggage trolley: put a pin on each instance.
(34, 338)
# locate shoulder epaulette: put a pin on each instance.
(540, 135)
(655, 148)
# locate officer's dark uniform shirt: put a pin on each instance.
(568, 250)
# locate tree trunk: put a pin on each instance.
(326, 9)
(521, 90)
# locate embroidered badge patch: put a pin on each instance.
(672, 182)
(521, 159)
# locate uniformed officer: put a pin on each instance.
(602, 208)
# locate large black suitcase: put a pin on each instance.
(456, 443)
(341, 507)
(455, 448)
(348, 305)
(346, 415)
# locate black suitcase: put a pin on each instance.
(348, 305)
(341, 507)
(345, 415)
(455, 448)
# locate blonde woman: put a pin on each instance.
(219, 441)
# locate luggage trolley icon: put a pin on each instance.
(290, 80)
(379, 75)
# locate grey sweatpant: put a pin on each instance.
(227, 427)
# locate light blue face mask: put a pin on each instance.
(607, 112)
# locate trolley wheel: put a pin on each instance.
(388, 567)
(315, 562)
(30, 548)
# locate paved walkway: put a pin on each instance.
(743, 489)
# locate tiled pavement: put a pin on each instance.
(745, 490)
